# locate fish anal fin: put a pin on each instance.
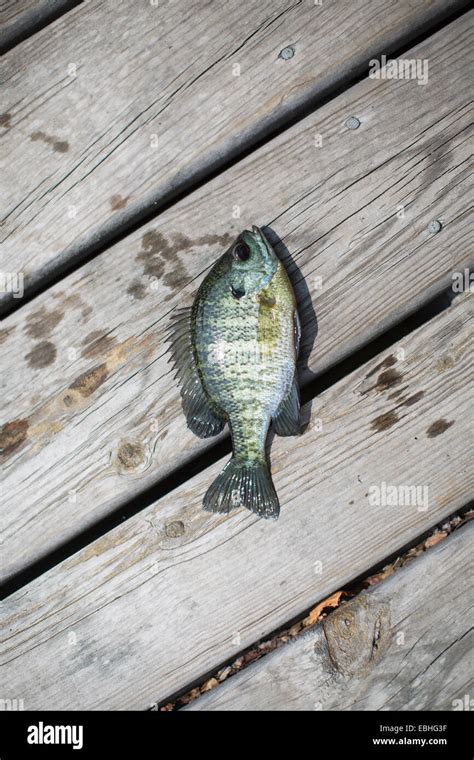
(286, 420)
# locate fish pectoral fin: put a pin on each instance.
(286, 420)
(201, 417)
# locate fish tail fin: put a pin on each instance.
(243, 484)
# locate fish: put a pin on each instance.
(235, 353)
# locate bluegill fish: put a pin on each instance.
(235, 352)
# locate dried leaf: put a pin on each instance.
(222, 675)
(315, 613)
(387, 571)
(190, 696)
(295, 629)
(435, 539)
(211, 684)
(250, 656)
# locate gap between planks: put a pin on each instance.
(388, 648)
(149, 607)
(78, 421)
(110, 149)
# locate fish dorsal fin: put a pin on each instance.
(201, 416)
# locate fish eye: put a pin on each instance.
(241, 252)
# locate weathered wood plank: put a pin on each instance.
(90, 410)
(110, 110)
(174, 591)
(20, 18)
(421, 622)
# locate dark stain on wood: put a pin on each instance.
(438, 427)
(86, 313)
(388, 379)
(41, 323)
(397, 393)
(5, 120)
(175, 278)
(137, 290)
(97, 343)
(12, 435)
(183, 243)
(130, 455)
(412, 399)
(70, 299)
(389, 361)
(59, 146)
(155, 249)
(6, 332)
(117, 202)
(158, 252)
(385, 421)
(89, 381)
(42, 355)
(93, 336)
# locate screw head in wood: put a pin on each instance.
(435, 226)
(352, 122)
(287, 53)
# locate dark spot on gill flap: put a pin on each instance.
(237, 292)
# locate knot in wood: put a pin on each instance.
(357, 635)
(131, 455)
(174, 529)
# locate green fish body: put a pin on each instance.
(235, 351)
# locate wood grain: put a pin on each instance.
(21, 18)
(174, 592)
(90, 411)
(404, 645)
(113, 109)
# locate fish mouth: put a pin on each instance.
(258, 236)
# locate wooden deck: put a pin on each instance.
(136, 145)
